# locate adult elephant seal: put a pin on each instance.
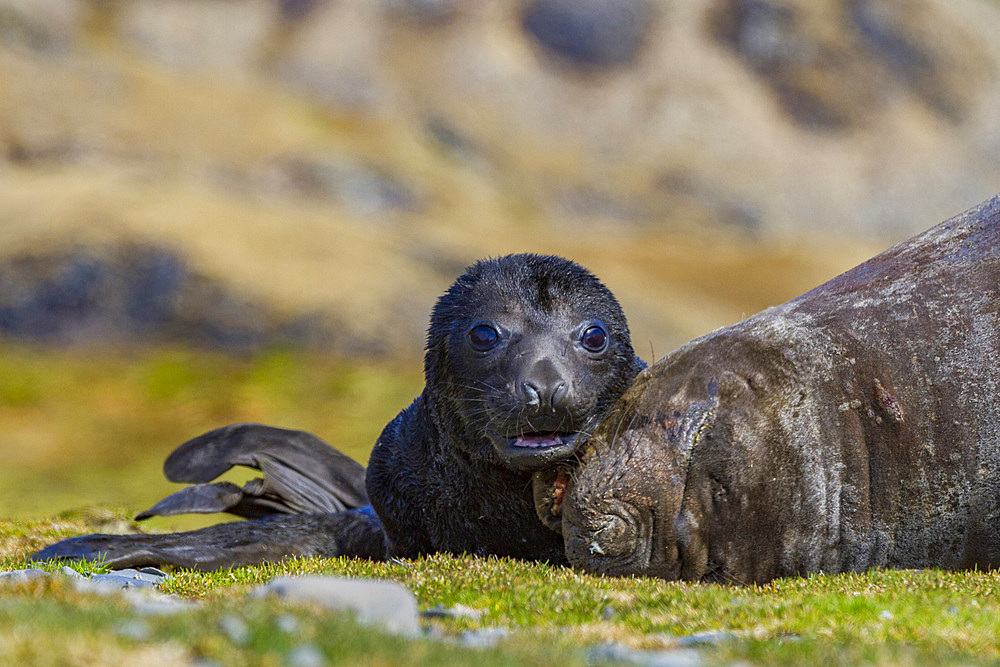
(524, 354)
(856, 426)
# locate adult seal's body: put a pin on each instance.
(856, 426)
(524, 354)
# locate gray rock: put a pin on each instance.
(116, 581)
(457, 611)
(149, 575)
(70, 572)
(155, 572)
(604, 33)
(135, 629)
(287, 623)
(235, 628)
(373, 602)
(306, 655)
(17, 576)
(617, 653)
(703, 638)
(150, 603)
(483, 638)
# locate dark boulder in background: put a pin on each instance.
(136, 294)
(603, 33)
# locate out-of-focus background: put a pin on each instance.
(242, 210)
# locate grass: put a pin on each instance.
(84, 435)
(554, 614)
(85, 427)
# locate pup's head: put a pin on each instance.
(526, 354)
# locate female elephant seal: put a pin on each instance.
(524, 354)
(856, 426)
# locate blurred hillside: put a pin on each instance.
(244, 173)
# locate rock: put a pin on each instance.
(151, 603)
(703, 638)
(603, 33)
(146, 574)
(373, 602)
(363, 189)
(235, 628)
(43, 26)
(427, 12)
(134, 629)
(483, 637)
(18, 576)
(306, 655)
(287, 623)
(140, 293)
(457, 611)
(110, 583)
(617, 653)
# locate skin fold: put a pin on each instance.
(856, 426)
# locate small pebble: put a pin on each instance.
(886, 615)
(139, 575)
(373, 602)
(608, 613)
(306, 655)
(17, 576)
(457, 611)
(235, 628)
(134, 629)
(483, 638)
(951, 610)
(287, 623)
(110, 583)
(618, 653)
(704, 638)
(151, 603)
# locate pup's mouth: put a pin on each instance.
(534, 451)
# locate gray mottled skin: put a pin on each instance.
(856, 426)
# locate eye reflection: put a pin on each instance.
(483, 337)
(594, 338)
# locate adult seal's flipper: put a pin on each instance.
(302, 474)
(356, 533)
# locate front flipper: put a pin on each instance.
(356, 533)
(302, 474)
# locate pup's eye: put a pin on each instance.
(483, 337)
(594, 339)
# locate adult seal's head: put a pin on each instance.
(525, 355)
(853, 427)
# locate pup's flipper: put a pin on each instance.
(302, 474)
(355, 533)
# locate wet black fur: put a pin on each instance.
(435, 479)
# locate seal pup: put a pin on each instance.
(856, 426)
(525, 354)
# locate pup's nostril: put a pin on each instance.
(530, 394)
(558, 395)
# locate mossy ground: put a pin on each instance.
(89, 431)
(553, 613)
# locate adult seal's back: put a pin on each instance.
(856, 426)
(526, 354)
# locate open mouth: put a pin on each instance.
(533, 451)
